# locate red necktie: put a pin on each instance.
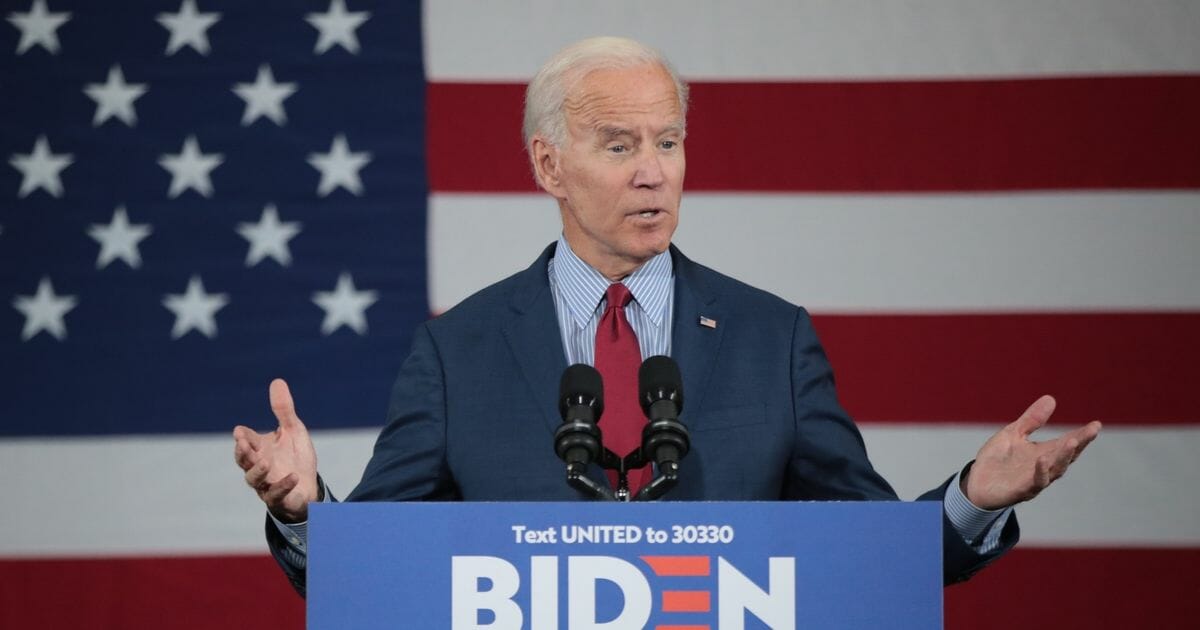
(617, 360)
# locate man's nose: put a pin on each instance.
(649, 172)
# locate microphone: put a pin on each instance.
(580, 401)
(664, 439)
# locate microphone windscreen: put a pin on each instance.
(660, 374)
(581, 380)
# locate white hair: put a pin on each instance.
(548, 90)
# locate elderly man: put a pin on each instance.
(474, 406)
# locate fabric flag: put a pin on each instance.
(197, 197)
(980, 202)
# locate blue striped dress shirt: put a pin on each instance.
(579, 301)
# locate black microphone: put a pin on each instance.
(581, 402)
(664, 439)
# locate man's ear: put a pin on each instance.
(545, 158)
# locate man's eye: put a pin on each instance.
(618, 148)
(668, 144)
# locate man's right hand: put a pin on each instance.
(281, 466)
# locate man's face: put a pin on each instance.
(620, 176)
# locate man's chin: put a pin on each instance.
(655, 242)
(650, 250)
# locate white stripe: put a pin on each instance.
(145, 495)
(184, 495)
(879, 253)
(475, 240)
(825, 39)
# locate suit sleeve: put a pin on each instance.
(409, 459)
(829, 460)
(960, 561)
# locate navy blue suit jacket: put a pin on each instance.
(474, 409)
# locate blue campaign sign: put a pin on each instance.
(618, 566)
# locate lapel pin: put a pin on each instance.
(707, 322)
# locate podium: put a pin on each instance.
(624, 566)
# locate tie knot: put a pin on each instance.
(618, 295)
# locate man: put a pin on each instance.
(473, 410)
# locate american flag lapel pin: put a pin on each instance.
(708, 322)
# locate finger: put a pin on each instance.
(1056, 461)
(256, 477)
(1045, 471)
(1067, 448)
(1077, 439)
(1085, 433)
(1081, 437)
(278, 490)
(243, 455)
(1035, 417)
(283, 406)
(251, 436)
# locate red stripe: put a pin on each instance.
(199, 593)
(1092, 588)
(678, 566)
(473, 138)
(686, 601)
(1133, 132)
(1118, 368)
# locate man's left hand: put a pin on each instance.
(1011, 468)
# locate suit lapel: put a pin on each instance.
(534, 339)
(694, 346)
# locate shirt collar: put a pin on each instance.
(582, 287)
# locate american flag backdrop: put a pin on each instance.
(979, 201)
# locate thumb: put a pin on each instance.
(1036, 416)
(283, 406)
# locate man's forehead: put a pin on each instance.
(608, 100)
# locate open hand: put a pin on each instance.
(281, 466)
(1011, 468)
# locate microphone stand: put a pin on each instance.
(577, 478)
(666, 478)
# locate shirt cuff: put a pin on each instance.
(297, 533)
(971, 522)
